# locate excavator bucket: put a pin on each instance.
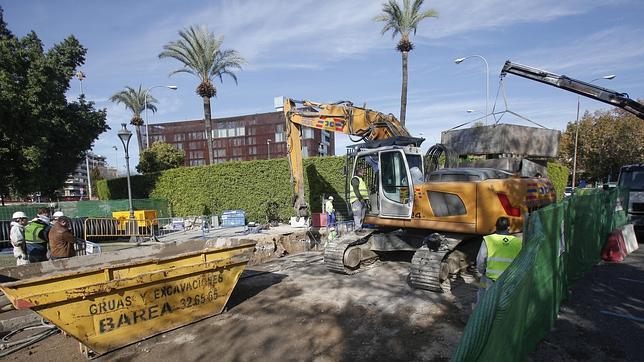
(110, 300)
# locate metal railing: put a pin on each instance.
(102, 229)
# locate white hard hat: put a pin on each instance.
(19, 215)
(58, 214)
(330, 197)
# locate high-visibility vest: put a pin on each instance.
(362, 188)
(501, 252)
(329, 206)
(32, 232)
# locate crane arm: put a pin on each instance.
(585, 89)
(340, 117)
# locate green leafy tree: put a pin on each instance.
(161, 156)
(403, 22)
(200, 52)
(607, 140)
(136, 101)
(95, 175)
(42, 135)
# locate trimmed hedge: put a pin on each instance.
(558, 174)
(261, 188)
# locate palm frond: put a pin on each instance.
(135, 100)
(200, 52)
(402, 21)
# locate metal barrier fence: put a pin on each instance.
(102, 229)
(97, 229)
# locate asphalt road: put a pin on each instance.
(603, 318)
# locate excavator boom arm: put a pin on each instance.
(585, 89)
(340, 117)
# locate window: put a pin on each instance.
(238, 142)
(221, 133)
(252, 150)
(196, 135)
(241, 131)
(178, 146)
(231, 132)
(305, 151)
(194, 145)
(220, 152)
(252, 131)
(179, 137)
(237, 151)
(279, 133)
(252, 140)
(394, 177)
(197, 162)
(196, 154)
(445, 204)
(307, 133)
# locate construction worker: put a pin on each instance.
(497, 252)
(17, 235)
(61, 239)
(330, 212)
(36, 237)
(359, 195)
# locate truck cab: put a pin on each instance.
(632, 177)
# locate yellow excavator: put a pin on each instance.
(434, 215)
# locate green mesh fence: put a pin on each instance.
(561, 242)
(96, 208)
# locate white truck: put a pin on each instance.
(632, 176)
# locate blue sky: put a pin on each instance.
(332, 50)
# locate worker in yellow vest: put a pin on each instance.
(358, 197)
(330, 212)
(497, 252)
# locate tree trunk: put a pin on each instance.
(139, 139)
(403, 93)
(208, 126)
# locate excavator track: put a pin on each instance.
(427, 270)
(334, 256)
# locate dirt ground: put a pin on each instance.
(297, 311)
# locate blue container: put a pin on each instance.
(231, 218)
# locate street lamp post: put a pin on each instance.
(145, 106)
(574, 156)
(487, 79)
(268, 148)
(89, 177)
(80, 75)
(116, 153)
(125, 135)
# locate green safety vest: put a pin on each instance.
(501, 251)
(32, 232)
(362, 188)
(329, 206)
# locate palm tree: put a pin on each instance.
(403, 21)
(200, 52)
(135, 101)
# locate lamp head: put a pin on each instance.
(609, 77)
(125, 135)
(173, 87)
(459, 60)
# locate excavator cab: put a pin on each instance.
(390, 169)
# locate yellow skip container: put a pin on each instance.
(110, 300)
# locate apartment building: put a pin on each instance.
(240, 138)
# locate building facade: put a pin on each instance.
(241, 138)
(76, 187)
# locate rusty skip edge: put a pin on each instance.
(44, 298)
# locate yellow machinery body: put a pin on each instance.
(110, 300)
(483, 203)
(144, 218)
